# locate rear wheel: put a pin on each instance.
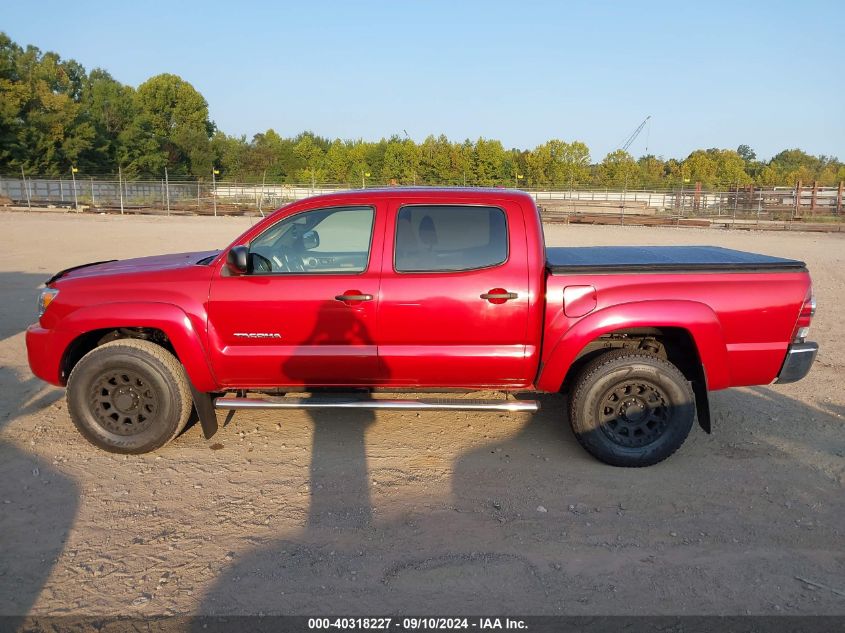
(631, 408)
(129, 396)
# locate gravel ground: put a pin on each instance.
(400, 512)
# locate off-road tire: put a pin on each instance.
(129, 396)
(631, 408)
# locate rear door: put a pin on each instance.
(454, 299)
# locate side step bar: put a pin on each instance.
(357, 403)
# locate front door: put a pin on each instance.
(305, 313)
(454, 296)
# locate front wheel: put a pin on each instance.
(129, 396)
(630, 408)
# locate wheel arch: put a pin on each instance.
(164, 324)
(691, 329)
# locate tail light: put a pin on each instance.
(802, 326)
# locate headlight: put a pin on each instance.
(45, 298)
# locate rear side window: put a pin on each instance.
(450, 238)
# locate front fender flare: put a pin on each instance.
(696, 318)
(180, 329)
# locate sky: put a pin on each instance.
(711, 74)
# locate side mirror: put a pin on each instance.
(310, 239)
(238, 260)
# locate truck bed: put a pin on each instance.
(658, 259)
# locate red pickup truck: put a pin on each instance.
(420, 290)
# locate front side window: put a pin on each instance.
(335, 240)
(450, 238)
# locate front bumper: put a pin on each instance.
(799, 359)
(45, 349)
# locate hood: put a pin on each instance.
(136, 265)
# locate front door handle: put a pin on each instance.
(499, 295)
(354, 297)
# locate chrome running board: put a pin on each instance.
(457, 404)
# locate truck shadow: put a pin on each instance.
(530, 524)
(779, 425)
(339, 487)
(524, 514)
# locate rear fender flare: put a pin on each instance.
(696, 318)
(170, 319)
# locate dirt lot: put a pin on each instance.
(416, 513)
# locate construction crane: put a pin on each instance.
(635, 134)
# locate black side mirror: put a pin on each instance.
(238, 260)
(310, 239)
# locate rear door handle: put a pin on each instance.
(354, 297)
(499, 295)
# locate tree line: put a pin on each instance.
(55, 116)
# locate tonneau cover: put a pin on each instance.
(614, 259)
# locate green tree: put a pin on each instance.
(14, 96)
(700, 166)
(337, 162)
(570, 163)
(435, 163)
(488, 162)
(359, 167)
(269, 152)
(42, 124)
(461, 169)
(176, 114)
(832, 174)
(730, 168)
(792, 165)
(139, 149)
(53, 115)
(110, 109)
(652, 171)
(618, 169)
(231, 156)
(401, 161)
(746, 153)
(538, 166)
(312, 156)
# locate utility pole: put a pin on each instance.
(214, 173)
(120, 186)
(73, 171)
(167, 189)
(624, 198)
(261, 199)
(26, 190)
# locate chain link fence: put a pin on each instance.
(229, 198)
